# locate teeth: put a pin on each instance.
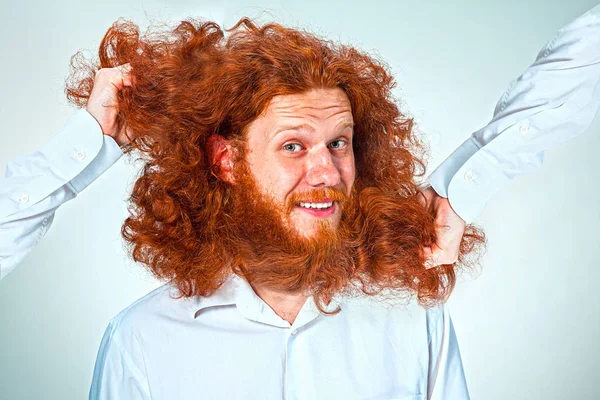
(316, 205)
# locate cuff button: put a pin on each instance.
(469, 176)
(79, 155)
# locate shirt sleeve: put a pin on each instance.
(120, 371)
(554, 100)
(446, 377)
(35, 185)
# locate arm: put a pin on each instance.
(35, 185)
(554, 100)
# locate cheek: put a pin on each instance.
(285, 180)
(348, 172)
(278, 179)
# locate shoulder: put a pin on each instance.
(161, 306)
(122, 355)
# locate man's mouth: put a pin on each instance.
(322, 209)
(318, 206)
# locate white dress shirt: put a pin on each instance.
(554, 100)
(232, 345)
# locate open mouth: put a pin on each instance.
(317, 208)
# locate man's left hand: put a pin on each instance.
(449, 229)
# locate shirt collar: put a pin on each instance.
(237, 291)
(223, 296)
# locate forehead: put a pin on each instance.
(316, 103)
(314, 107)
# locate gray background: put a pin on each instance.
(528, 325)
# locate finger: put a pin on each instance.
(428, 256)
(436, 257)
(449, 228)
(127, 133)
(426, 195)
(118, 76)
(449, 233)
(125, 71)
(447, 246)
(426, 252)
(108, 102)
(127, 81)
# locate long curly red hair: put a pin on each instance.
(196, 80)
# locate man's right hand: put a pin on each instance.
(102, 104)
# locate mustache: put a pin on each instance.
(316, 195)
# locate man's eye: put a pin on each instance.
(293, 147)
(338, 144)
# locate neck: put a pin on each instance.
(286, 305)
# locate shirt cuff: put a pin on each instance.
(468, 179)
(81, 152)
(442, 176)
(109, 153)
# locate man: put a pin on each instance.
(126, 359)
(278, 201)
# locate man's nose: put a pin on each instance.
(322, 169)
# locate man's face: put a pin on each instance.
(298, 150)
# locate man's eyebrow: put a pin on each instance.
(347, 124)
(291, 128)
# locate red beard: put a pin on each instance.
(376, 246)
(272, 254)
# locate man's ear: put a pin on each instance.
(221, 155)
